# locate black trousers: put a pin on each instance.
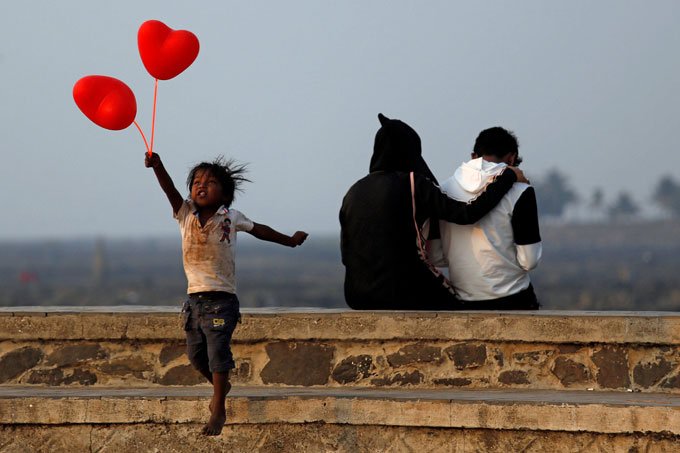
(523, 300)
(438, 298)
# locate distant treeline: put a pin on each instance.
(555, 195)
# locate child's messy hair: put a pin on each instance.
(227, 171)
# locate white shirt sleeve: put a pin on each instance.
(183, 211)
(529, 255)
(239, 221)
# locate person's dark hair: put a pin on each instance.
(227, 171)
(496, 142)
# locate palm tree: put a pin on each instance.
(553, 194)
(667, 195)
(623, 208)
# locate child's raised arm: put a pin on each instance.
(154, 161)
(267, 233)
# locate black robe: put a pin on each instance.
(378, 239)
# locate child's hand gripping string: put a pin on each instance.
(152, 161)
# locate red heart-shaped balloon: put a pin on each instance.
(106, 101)
(166, 52)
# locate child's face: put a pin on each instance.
(206, 190)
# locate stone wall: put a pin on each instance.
(548, 350)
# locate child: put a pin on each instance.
(208, 227)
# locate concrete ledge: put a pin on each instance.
(577, 327)
(314, 438)
(596, 412)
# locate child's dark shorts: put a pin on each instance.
(209, 321)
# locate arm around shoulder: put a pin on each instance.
(445, 208)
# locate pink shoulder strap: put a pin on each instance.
(422, 249)
(415, 222)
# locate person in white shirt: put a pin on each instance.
(489, 261)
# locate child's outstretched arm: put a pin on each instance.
(267, 233)
(154, 161)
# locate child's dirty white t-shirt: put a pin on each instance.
(208, 251)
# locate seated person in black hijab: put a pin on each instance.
(383, 269)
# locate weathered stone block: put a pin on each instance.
(612, 363)
(453, 382)
(81, 377)
(171, 352)
(242, 372)
(18, 361)
(125, 365)
(570, 372)
(294, 363)
(73, 354)
(500, 359)
(672, 382)
(568, 348)
(514, 377)
(648, 374)
(353, 368)
(467, 355)
(413, 378)
(54, 376)
(182, 375)
(415, 353)
(533, 357)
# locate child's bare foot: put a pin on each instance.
(218, 413)
(215, 424)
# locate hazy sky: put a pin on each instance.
(294, 89)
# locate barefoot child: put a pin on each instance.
(208, 227)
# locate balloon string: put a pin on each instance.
(153, 115)
(148, 150)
